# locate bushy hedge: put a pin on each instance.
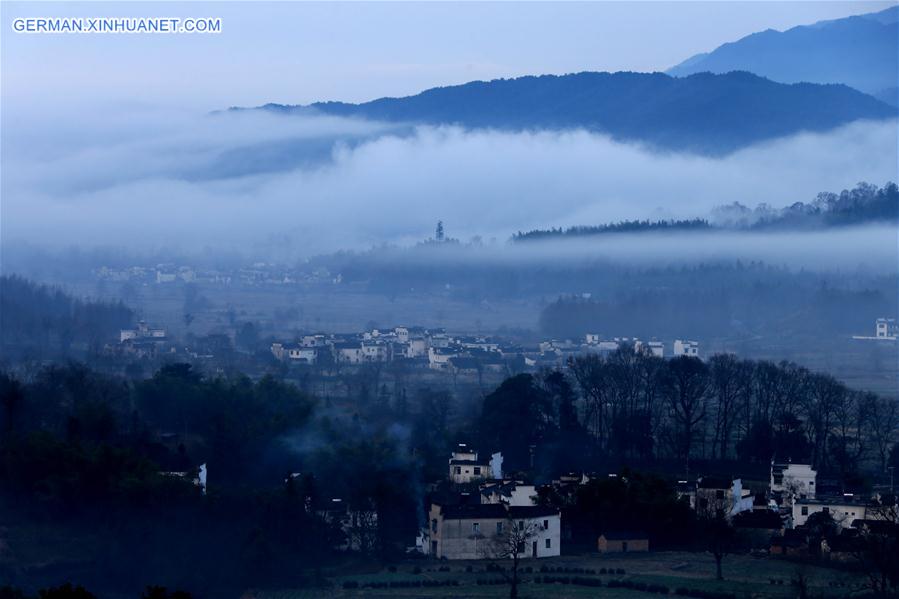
(400, 584)
(561, 570)
(684, 592)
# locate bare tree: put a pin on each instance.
(591, 374)
(685, 388)
(510, 542)
(719, 538)
(824, 393)
(730, 382)
(883, 419)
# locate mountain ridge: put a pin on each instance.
(703, 113)
(859, 51)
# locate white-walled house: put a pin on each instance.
(304, 355)
(476, 531)
(656, 348)
(843, 510)
(349, 353)
(465, 466)
(142, 332)
(508, 492)
(790, 481)
(439, 358)
(686, 348)
(886, 328)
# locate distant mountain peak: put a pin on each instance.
(860, 51)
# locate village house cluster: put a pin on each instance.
(780, 514)
(254, 275)
(478, 507)
(439, 350)
(433, 348)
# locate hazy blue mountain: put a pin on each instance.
(703, 113)
(860, 51)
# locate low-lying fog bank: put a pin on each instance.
(287, 186)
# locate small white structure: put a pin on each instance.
(653, 348)
(885, 329)
(439, 357)
(143, 332)
(686, 348)
(508, 492)
(465, 467)
(349, 353)
(792, 481)
(496, 465)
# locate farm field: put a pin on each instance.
(745, 576)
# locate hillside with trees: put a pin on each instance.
(39, 321)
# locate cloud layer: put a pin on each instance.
(143, 177)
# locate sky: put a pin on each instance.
(303, 52)
(108, 139)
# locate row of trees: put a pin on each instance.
(42, 321)
(633, 405)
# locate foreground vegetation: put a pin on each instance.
(631, 576)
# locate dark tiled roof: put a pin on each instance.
(624, 535)
(494, 510)
(715, 482)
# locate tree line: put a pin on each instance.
(866, 203)
(636, 407)
(40, 321)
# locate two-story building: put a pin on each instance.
(791, 481)
(686, 348)
(481, 531)
(465, 466)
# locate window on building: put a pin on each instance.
(549, 543)
(458, 470)
(805, 510)
(521, 525)
(546, 524)
(434, 525)
(476, 527)
(477, 470)
(499, 528)
(719, 494)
